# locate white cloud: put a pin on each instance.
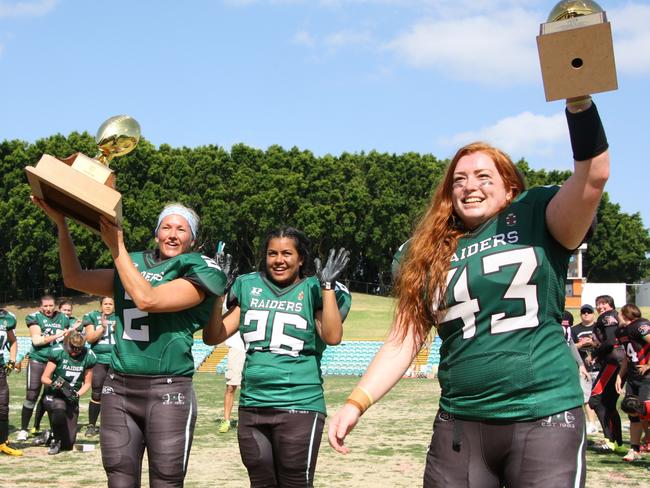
(347, 37)
(26, 9)
(334, 40)
(535, 137)
(498, 48)
(303, 38)
(631, 38)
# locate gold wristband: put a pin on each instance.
(360, 398)
(356, 404)
(580, 100)
(580, 105)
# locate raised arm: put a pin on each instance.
(175, 295)
(95, 281)
(328, 320)
(571, 211)
(386, 369)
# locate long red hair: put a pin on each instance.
(422, 279)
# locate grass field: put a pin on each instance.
(388, 446)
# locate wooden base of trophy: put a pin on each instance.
(79, 186)
(577, 61)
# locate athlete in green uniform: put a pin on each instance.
(486, 266)
(8, 340)
(286, 318)
(67, 376)
(46, 327)
(162, 298)
(99, 328)
(65, 307)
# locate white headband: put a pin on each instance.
(183, 212)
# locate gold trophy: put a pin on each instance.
(575, 50)
(81, 187)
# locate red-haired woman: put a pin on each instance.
(486, 267)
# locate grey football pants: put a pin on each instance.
(157, 413)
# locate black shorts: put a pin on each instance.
(153, 412)
(279, 447)
(547, 452)
(639, 387)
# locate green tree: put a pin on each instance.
(366, 202)
(619, 248)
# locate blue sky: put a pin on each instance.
(324, 75)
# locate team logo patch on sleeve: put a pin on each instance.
(511, 219)
(610, 320)
(644, 329)
(301, 295)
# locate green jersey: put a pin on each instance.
(161, 343)
(7, 323)
(102, 347)
(69, 367)
(503, 353)
(49, 326)
(283, 348)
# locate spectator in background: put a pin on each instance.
(608, 354)
(634, 336)
(582, 335)
(65, 307)
(236, 358)
(634, 407)
(583, 374)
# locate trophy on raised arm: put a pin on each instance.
(81, 187)
(575, 50)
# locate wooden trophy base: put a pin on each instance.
(577, 61)
(80, 187)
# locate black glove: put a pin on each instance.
(225, 263)
(69, 393)
(334, 266)
(10, 366)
